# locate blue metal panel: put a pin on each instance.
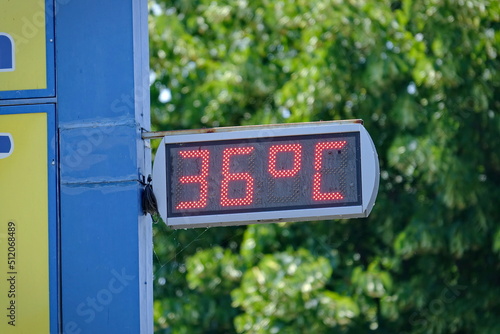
(95, 61)
(103, 231)
(43, 100)
(103, 153)
(54, 241)
(99, 258)
(50, 90)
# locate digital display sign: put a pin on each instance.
(263, 174)
(254, 176)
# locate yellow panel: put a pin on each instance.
(24, 22)
(24, 259)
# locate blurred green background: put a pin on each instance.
(424, 76)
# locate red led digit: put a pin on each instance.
(200, 178)
(297, 155)
(228, 176)
(320, 147)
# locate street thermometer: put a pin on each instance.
(266, 174)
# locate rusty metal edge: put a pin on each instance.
(161, 134)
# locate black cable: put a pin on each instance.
(149, 203)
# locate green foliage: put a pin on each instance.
(425, 78)
(285, 293)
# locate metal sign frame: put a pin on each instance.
(370, 172)
(96, 159)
